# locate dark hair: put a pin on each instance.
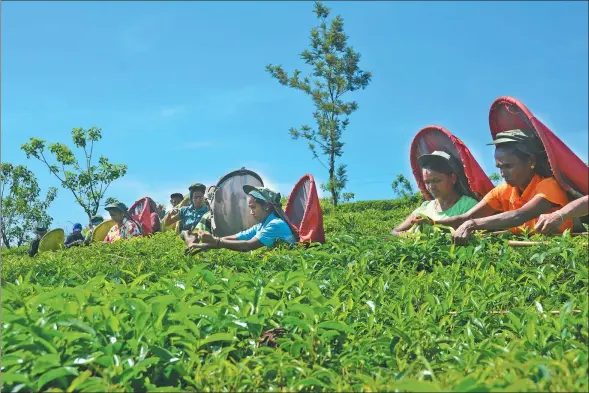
(461, 186)
(440, 167)
(176, 195)
(197, 187)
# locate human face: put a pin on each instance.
(116, 215)
(440, 185)
(257, 211)
(197, 199)
(175, 201)
(515, 171)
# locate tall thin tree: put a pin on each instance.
(335, 72)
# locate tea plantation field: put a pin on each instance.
(361, 313)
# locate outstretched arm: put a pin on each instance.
(240, 245)
(481, 209)
(548, 223)
(404, 226)
(229, 242)
(505, 220)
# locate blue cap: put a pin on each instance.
(77, 227)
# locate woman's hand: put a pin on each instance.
(395, 233)
(193, 248)
(422, 219)
(206, 238)
(548, 223)
(464, 232)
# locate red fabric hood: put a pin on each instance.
(508, 113)
(304, 211)
(141, 212)
(432, 138)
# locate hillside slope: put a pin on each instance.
(359, 313)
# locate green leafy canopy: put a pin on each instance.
(22, 207)
(87, 181)
(335, 72)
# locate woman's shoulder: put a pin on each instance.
(468, 200)
(276, 220)
(548, 182)
(423, 206)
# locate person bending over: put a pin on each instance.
(446, 182)
(529, 190)
(272, 226)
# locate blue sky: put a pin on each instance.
(181, 92)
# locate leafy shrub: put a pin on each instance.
(359, 313)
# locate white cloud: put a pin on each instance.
(283, 188)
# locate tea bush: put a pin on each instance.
(360, 313)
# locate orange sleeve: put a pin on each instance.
(550, 190)
(495, 197)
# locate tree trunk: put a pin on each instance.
(332, 178)
(5, 240)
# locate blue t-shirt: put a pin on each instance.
(274, 228)
(191, 216)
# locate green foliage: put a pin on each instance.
(348, 196)
(87, 181)
(404, 190)
(357, 314)
(22, 209)
(402, 187)
(496, 178)
(335, 72)
(110, 200)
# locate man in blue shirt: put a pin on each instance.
(273, 225)
(190, 215)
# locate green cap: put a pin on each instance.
(512, 136)
(116, 205)
(197, 187)
(263, 193)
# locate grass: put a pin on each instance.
(361, 313)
